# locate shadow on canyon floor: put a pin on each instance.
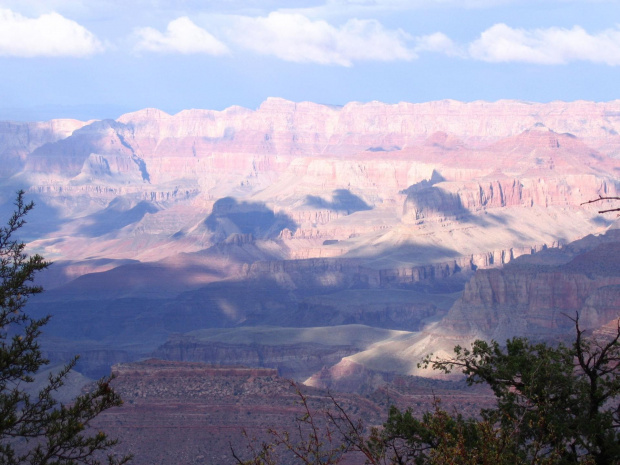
(106, 329)
(63, 272)
(230, 216)
(128, 312)
(407, 255)
(342, 201)
(427, 200)
(136, 280)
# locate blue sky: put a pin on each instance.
(100, 58)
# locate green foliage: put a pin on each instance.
(559, 404)
(34, 427)
(425, 440)
(440, 438)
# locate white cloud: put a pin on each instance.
(501, 43)
(48, 35)
(417, 4)
(439, 43)
(339, 8)
(294, 37)
(181, 36)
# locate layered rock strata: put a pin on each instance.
(209, 219)
(537, 296)
(192, 413)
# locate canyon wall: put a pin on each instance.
(536, 296)
(302, 215)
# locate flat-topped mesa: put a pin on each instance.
(195, 143)
(478, 120)
(474, 120)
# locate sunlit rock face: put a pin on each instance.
(300, 214)
(537, 296)
(308, 175)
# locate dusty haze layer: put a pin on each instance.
(297, 215)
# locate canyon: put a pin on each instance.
(335, 246)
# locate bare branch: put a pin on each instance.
(601, 198)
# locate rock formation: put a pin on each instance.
(192, 413)
(535, 296)
(301, 215)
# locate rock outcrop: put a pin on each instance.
(537, 300)
(536, 296)
(193, 413)
(17, 140)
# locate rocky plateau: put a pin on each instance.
(193, 413)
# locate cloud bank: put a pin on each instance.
(181, 36)
(294, 37)
(552, 46)
(50, 35)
